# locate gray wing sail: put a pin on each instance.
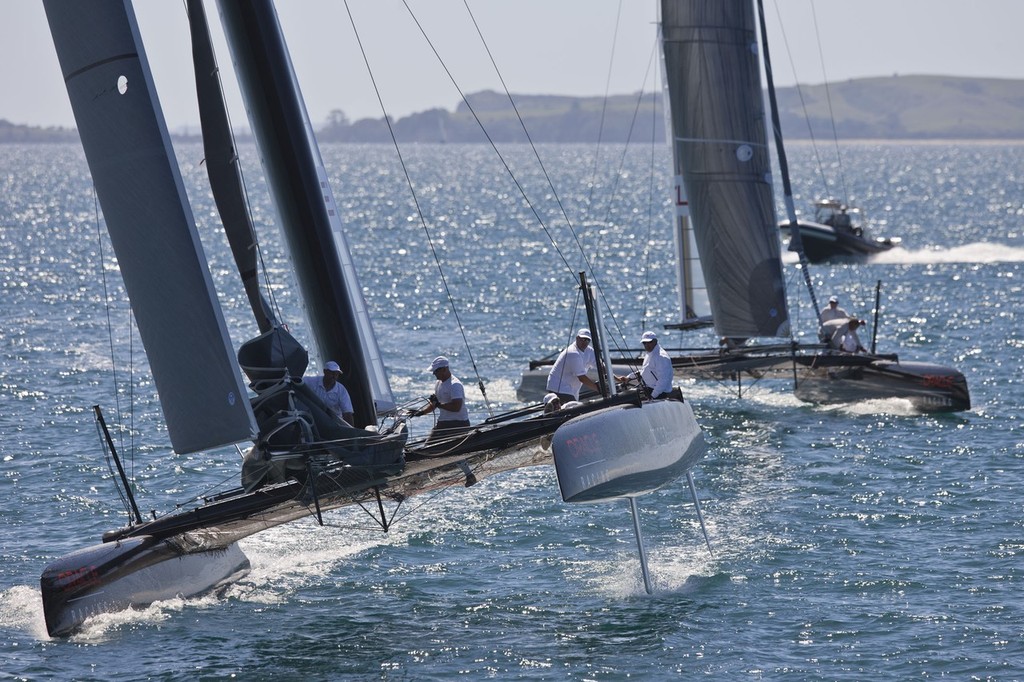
(150, 222)
(720, 150)
(305, 203)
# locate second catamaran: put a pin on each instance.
(726, 223)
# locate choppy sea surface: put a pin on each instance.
(850, 543)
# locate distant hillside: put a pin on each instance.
(908, 107)
(11, 133)
(896, 107)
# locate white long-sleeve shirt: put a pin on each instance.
(656, 371)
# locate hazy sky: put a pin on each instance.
(540, 47)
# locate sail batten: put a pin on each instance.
(150, 223)
(720, 150)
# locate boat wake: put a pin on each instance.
(21, 609)
(976, 252)
(892, 406)
(288, 558)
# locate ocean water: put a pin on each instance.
(850, 543)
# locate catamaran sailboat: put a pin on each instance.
(728, 254)
(301, 461)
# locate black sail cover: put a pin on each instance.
(720, 146)
(150, 223)
(223, 167)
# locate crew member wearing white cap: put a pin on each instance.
(828, 314)
(832, 311)
(449, 399)
(334, 394)
(656, 372)
(569, 373)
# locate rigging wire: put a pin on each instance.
(113, 365)
(803, 105)
(590, 267)
(783, 163)
(803, 101)
(419, 210)
(522, 124)
(849, 286)
(646, 289)
(614, 191)
(497, 152)
(576, 237)
(604, 108)
(831, 112)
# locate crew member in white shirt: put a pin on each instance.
(656, 372)
(569, 373)
(334, 394)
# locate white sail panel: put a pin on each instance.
(693, 292)
(150, 222)
(719, 147)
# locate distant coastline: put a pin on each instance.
(914, 108)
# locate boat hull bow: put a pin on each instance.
(134, 572)
(626, 451)
(825, 244)
(928, 387)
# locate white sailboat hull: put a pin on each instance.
(626, 451)
(135, 572)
